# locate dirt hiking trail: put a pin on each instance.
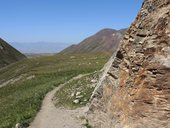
(51, 117)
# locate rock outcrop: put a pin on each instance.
(106, 40)
(135, 92)
(8, 54)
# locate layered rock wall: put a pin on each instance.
(135, 92)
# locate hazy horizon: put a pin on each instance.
(39, 47)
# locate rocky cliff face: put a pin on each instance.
(135, 92)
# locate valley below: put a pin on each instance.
(26, 83)
(112, 79)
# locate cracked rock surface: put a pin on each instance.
(135, 92)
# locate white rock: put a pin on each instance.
(126, 36)
(76, 101)
(72, 94)
(78, 97)
(131, 39)
(30, 77)
(93, 81)
(78, 93)
(141, 42)
(17, 125)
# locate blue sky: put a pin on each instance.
(63, 21)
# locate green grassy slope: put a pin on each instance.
(20, 101)
(66, 96)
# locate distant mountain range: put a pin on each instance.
(8, 54)
(106, 40)
(39, 47)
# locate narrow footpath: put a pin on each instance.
(51, 117)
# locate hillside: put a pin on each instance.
(24, 84)
(106, 40)
(8, 54)
(135, 90)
